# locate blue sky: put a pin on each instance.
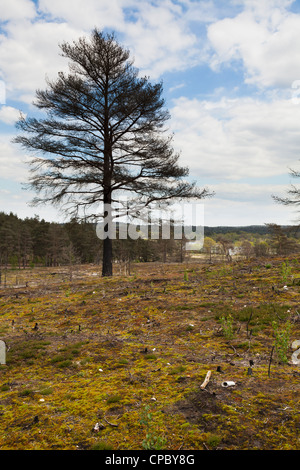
(231, 75)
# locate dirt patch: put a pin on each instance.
(243, 416)
(198, 404)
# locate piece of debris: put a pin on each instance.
(2, 352)
(98, 427)
(295, 359)
(228, 384)
(206, 380)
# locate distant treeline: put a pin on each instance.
(33, 241)
(256, 229)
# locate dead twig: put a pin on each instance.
(247, 326)
(270, 360)
(233, 348)
(203, 385)
(111, 424)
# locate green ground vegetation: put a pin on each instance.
(117, 363)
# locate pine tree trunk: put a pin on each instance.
(107, 199)
(107, 257)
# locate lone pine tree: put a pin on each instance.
(103, 133)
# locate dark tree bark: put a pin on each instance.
(103, 134)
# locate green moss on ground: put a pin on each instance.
(118, 363)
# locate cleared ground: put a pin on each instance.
(118, 363)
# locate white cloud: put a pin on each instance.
(176, 87)
(219, 212)
(160, 38)
(247, 204)
(16, 9)
(237, 138)
(246, 192)
(157, 34)
(262, 8)
(160, 35)
(35, 52)
(18, 201)
(9, 115)
(12, 160)
(221, 139)
(87, 14)
(265, 37)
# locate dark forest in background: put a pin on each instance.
(35, 242)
